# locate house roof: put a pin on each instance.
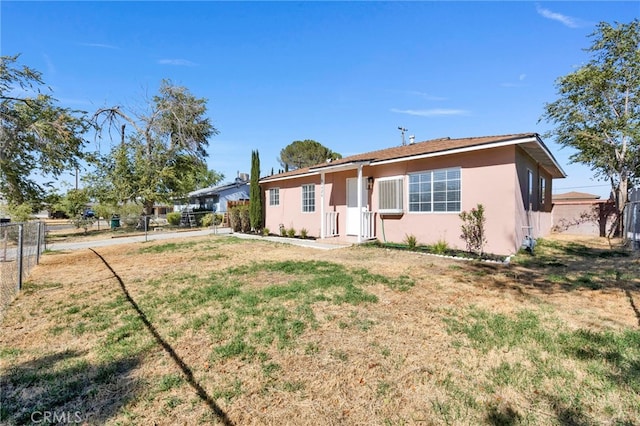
(574, 195)
(218, 189)
(530, 142)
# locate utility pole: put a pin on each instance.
(402, 130)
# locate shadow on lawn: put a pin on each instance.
(200, 391)
(565, 266)
(65, 388)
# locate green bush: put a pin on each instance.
(239, 218)
(174, 218)
(283, 231)
(20, 212)
(304, 233)
(207, 220)
(265, 231)
(291, 232)
(245, 218)
(234, 218)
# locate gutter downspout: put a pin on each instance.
(322, 219)
(359, 192)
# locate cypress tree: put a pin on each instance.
(255, 200)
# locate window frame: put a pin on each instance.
(399, 198)
(530, 179)
(432, 191)
(542, 190)
(308, 204)
(274, 196)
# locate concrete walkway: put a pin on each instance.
(153, 236)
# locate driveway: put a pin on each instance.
(153, 236)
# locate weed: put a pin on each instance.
(161, 248)
(292, 386)
(383, 388)
(229, 392)
(270, 368)
(291, 232)
(411, 241)
(440, 247)
(339, 355)
(304, 233)
(312, 349)
(168, 382)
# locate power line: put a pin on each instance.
(584, 186)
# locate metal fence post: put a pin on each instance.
(19, 254)
(38, 243)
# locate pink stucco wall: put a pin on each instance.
(537, 220)
(485, 179)
(495, 178)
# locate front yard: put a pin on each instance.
(232, 331)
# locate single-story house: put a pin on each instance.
(582, 214)
(217, 198)
(420, 189)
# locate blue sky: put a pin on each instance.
(346, 74)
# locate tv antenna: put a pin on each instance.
(402, 130)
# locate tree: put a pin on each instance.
(598, 110)
(255, 199)
(163, 157)
(36, 137)
(74, 204)
(305, 153)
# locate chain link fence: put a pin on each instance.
(20, 247)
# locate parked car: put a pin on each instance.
(88, 213)
(58, 214)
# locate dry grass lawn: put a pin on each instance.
(222, 330)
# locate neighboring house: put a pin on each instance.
(420, 189)
(583, 214)
(216, 198)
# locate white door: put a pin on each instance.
(353, 222)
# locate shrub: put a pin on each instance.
(291, 232)
(234, 218)
(283, 231)
(473, 229)
(245, 218)
(174, 218)
(304, 233)
(411, 241)
(207, 220)
(82, 222)
(265, 231)
(20, 212)
(441, 247)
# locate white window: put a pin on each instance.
(435, 191)
(309, 198)
(390, 195)
(274, 197)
